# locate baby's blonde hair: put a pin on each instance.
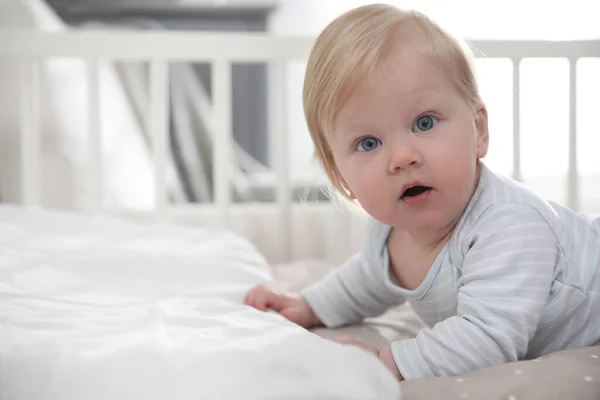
(352, 48)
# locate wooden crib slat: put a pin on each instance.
(158, 128)
(516, 167)
(221, 83)
(280, 150)
(573, 173)
(30, 131)
(94, 136)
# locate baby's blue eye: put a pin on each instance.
(368, 144)
(424, 123)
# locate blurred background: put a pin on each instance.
(544, 97)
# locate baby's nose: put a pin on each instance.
(402, 157)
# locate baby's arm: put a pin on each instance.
(506, 278)
(355, 290)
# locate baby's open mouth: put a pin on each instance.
(415, 191)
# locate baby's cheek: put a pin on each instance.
(455, 158)
(373, 184)
(358, 178)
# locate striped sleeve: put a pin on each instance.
(355, 290)
(506, 278)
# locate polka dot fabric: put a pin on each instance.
(571, 374)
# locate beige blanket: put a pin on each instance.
(572, 374)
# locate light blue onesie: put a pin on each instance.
(519, 278)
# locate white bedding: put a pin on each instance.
(97, 308)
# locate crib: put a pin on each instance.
(160, 49)
(282, 231)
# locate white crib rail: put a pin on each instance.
(94, 129)
(516, 167)
(573, 174)
(280, 144)
(519, 50)
(157, 124)
(222, 124)
(221, 50)
(29, 118)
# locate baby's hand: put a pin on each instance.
(290, 305)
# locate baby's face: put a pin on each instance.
(407, 145)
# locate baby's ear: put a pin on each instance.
(481, 125)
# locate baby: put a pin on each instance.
(497, 273)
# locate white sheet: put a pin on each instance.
(96, 308)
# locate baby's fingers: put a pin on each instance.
(252, 295)
(261, 298)
(267, 299)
